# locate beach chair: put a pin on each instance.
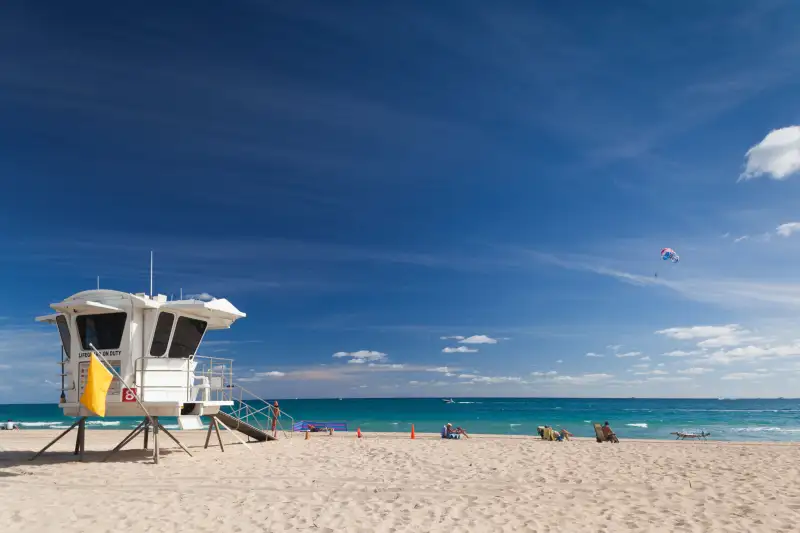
(601, 437)
(680, 435)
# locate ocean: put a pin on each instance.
(727, 420)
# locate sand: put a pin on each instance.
(387, 483)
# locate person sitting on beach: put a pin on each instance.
(11, 425)
(461, 431)
(314, 429)
(609, 434)
(449, 433)
(565, 435)
(549, 433)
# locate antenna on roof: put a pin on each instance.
(151, 273)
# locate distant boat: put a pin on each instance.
(448, 400)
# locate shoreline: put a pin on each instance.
(43, 436)
(111, 429)
(388, 482)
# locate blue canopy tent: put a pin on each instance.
(303, 425)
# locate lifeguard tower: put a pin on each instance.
(151, 345)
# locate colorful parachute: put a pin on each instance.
(668, 254)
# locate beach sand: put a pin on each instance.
(387, 483)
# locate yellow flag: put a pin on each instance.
(98, 380)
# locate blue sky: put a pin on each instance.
(366, 178)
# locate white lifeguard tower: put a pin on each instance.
(151, 345)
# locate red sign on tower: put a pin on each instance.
(128, 395)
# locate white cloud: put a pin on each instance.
(441, 370)
(560, 361)
(681, 353)
(740, 376)
(203, 296)
(629, 354)
(555, 377)
(777, 156)
(362, 356)
(695, 371)
(753, 352)
(453, 337)
(260, 376)
(724, 340)
(645, 358)
(730, 343)
(459, 349)
(711, 336)
(641, 365)
(698, 332)
(592, 354)
(660, 364)
(614, 347)
(652, 373)
(583, 378)
(785, 230)
(669, 379)
(496, 379)
(353, 373)
(478, 339)
(742, 238)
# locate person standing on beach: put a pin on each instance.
(276, 412)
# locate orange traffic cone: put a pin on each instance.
(358, 433)
(413, 435)
(308, 435)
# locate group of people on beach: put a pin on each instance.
(604, 433)
(548, 433)
(545, 432)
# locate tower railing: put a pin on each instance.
(258, 412)
(202, 379)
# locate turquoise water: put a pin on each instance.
(732, 420)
